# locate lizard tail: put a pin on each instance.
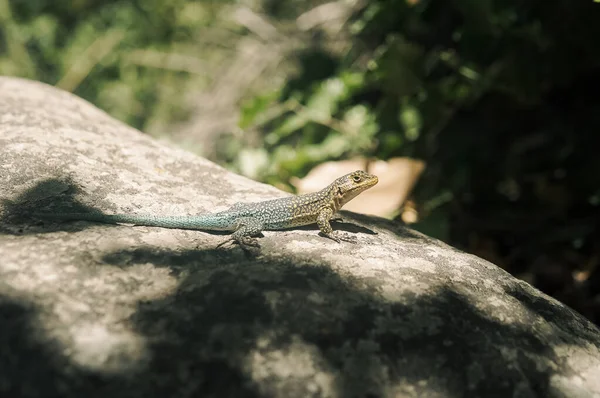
(176, 222)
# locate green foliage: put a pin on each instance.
(102, 50)
(441, 81)
(310, 125)
(383, 98)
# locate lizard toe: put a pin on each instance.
(248, 241)
(339, 237)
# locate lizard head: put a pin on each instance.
(349, 186)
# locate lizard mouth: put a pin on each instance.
(369, 183)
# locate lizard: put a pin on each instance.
(248, 220)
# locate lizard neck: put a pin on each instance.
(332, 196)
(335, 199)
(340, 196)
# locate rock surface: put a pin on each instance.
(92, 310)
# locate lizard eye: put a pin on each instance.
(356, 178)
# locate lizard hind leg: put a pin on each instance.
(247, 229)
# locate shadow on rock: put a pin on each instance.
(56, 195)
(270, 318)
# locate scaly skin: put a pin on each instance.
(247, 220)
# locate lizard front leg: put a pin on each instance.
(325, 227)
(247, 228)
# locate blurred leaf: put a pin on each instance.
(252, 109)
(399, 65)
(253, 162)
(477, 14)
(410, 119)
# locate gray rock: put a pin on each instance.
(92, 310)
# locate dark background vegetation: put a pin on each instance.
(499, 98)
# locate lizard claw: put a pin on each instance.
(348, 238)
(338, 237)
(247, 241)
